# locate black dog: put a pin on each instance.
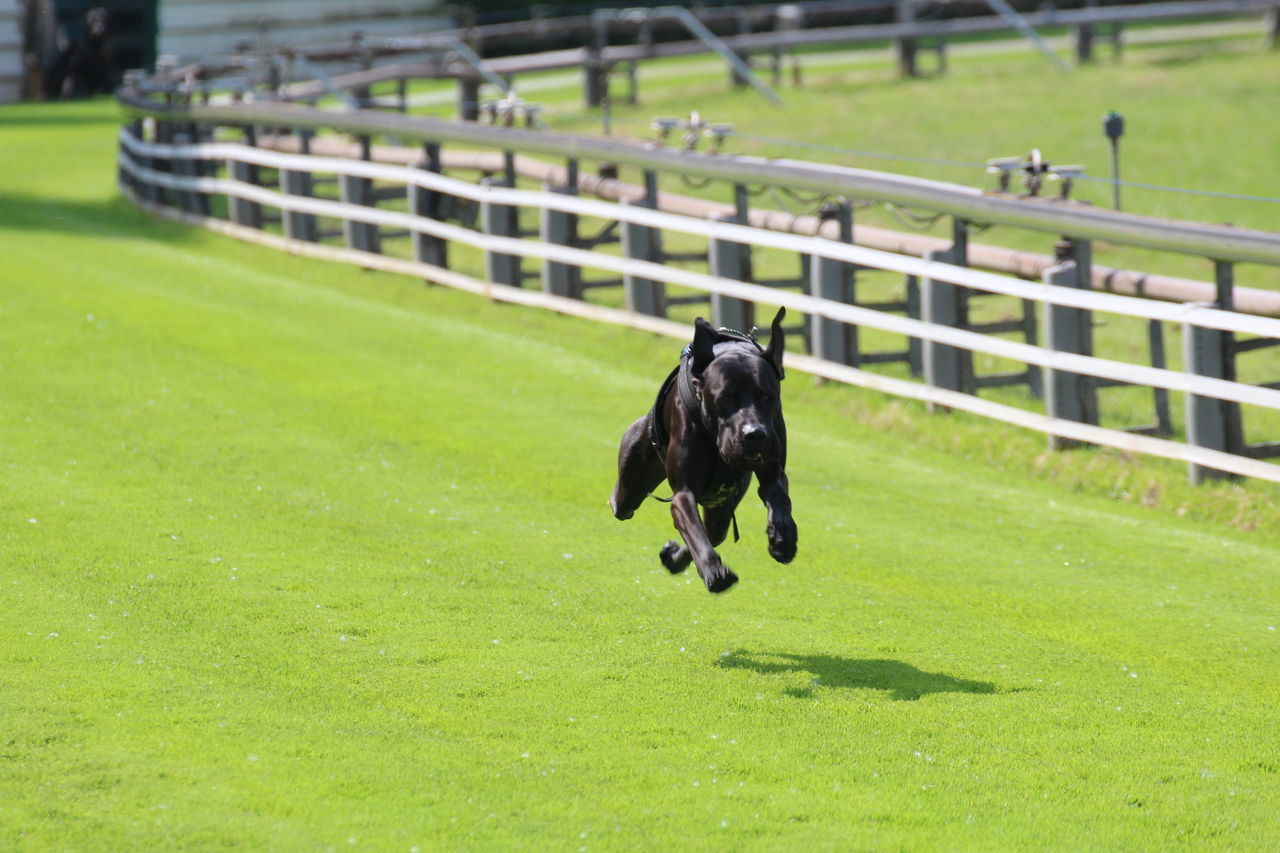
(717, 421)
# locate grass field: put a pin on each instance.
(299, 557)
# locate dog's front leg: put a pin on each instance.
(684, 513)
(781, 527)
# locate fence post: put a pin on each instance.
(633, 82)
(134, 129)
(945, 304)
(244, 212)
(561, 228)
(498, 220)
(123, 177)
(191, 200)
(736, 80)
(733, 261)
(164, 131)
(361, 236)
(1212, 423)
(915, 346)
(1160, 396)
(726, 260)
(1069, 396)
(595, 81)
(644, 295)
(907, 47)
(595, 74)
(140, 188)
(1272, 26)
(469, 98)
(299, 226)
(1084, 37)
(428, 249)
(1084, 43)
(156, 194)
(151, 191)
(834, 280)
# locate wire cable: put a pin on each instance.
(836, 149)
(912, 220)
(1181, 190)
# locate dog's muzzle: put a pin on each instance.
(749, 445)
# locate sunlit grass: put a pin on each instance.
(296, 556)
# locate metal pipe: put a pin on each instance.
(713, 41)
(1019, 23)
(473, 59)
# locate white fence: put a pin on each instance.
(177, 180)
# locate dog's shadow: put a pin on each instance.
(901, 680)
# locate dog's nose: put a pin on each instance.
(754, 434)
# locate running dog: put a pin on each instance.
(716, 422)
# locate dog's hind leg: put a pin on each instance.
(640, 470)
(676, 557)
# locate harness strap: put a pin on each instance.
(658, 436)
(691, 397)
(733, 517)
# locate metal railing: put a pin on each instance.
(1220, 242)
(170, 163)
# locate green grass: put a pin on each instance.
(299, 557)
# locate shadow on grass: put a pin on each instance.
(32, 115)
(112, 216)
(902, 680)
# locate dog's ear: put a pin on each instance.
(777, 342)
(703, 347)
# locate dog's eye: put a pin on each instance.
(766, 398)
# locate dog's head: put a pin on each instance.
(739, 386)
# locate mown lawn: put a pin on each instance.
(299, 557)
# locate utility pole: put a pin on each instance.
(1113, 127)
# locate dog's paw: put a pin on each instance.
(782, 541)
(720, 579)
(672, 559)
